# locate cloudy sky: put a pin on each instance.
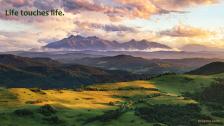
(172, 22)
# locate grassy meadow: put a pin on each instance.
(113, 104)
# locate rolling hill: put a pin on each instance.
(120, 62)
(18, 61)
(212, 68)
(18, 71)
(144, 66)
(162, 100)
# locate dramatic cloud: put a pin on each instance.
(147, 8)
(82, 5)
(105, 27)
(17, 3)
(180, 4)
(186, 31)
(114, 8)
(109, 19)
(37, 34)
(16, 40)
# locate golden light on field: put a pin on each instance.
(82, 99)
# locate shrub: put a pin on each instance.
(33, 102)
(47, 110)
(158, 124)
(210, 93)
(218, 114)
(214, 106)
(53, 120)
(37, 90)
(107, 116)
(23, 112)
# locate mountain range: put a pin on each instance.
(94, 43)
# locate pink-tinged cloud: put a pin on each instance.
(79, 5)
(116, 8)
(105, 27)
(180, 4)
(18, 3)
(133, 8)
(147, 8)
(186, 31)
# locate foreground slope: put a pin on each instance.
(85, 106)
(147, 103)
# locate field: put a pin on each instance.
(113, 104)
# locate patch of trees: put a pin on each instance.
(37, 90)
(48, 113)
(23, 112)
(218, 114)
(164, 74)
(172, 115)
(54, 120)
(128, 88)
(47, 110)
(137, 88)
(34, 102)
(212, 94)
(112, 114)
(107, 116)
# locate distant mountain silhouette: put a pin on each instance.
(212, 68)
(94, 43)
(16, 71)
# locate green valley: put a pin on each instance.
(154, 102)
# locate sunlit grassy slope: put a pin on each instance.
(74, 107)
(77, 99)
(66, 98)
(178, 84)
